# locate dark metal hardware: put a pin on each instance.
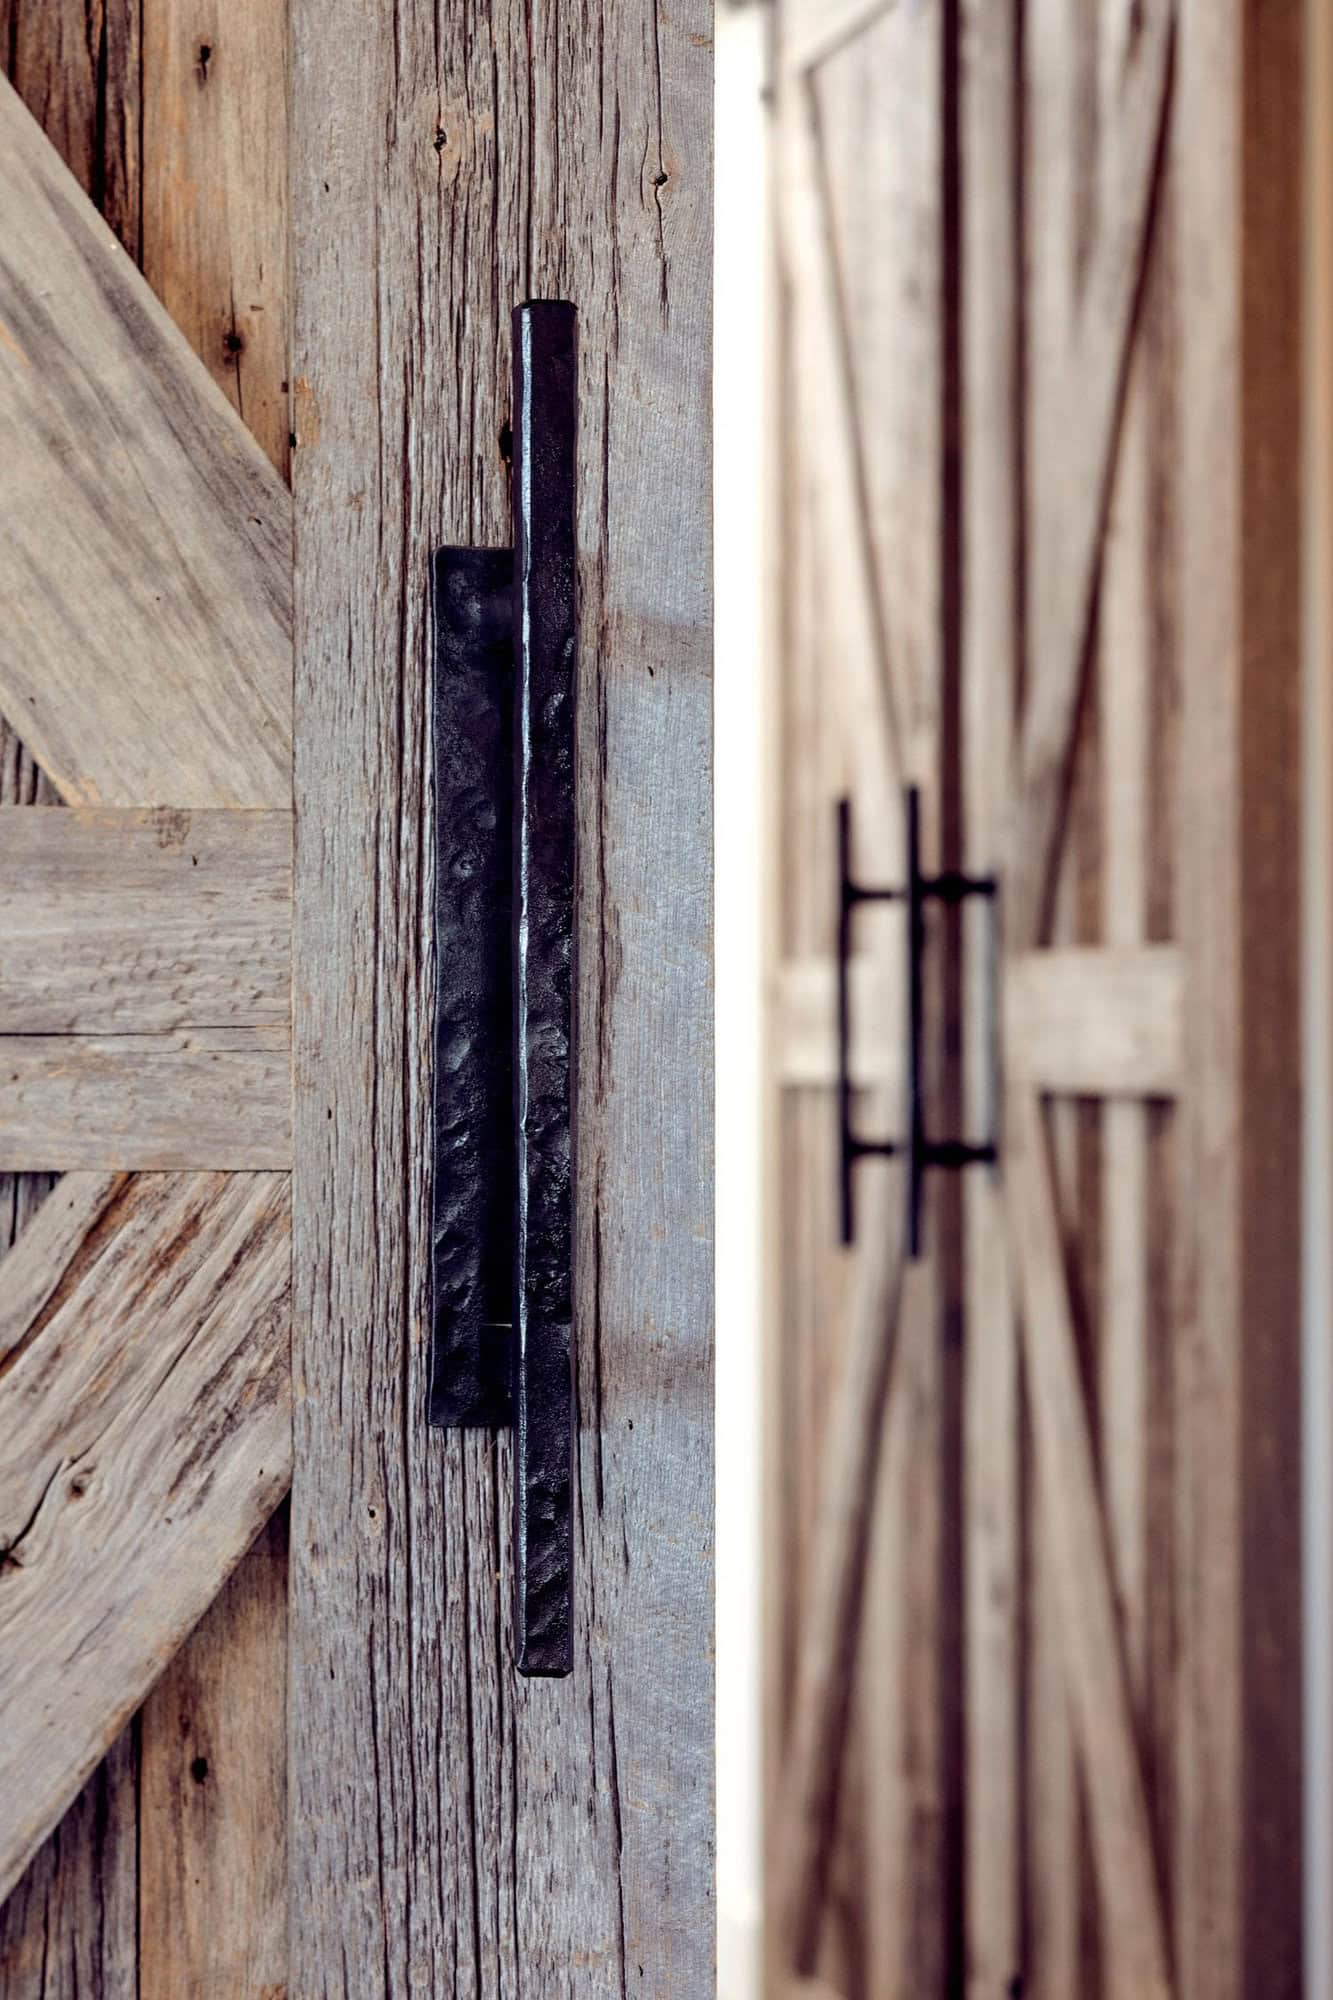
(503, 1235)
(918, 1150)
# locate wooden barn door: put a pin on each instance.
(1060, 1661)
(252, 1747)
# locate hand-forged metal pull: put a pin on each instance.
(502, 1224)
(919, 1151)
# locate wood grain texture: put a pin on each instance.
(213, 1876)
(70, 1925)
(145, 1001)
(79, 70)
(207, 1097)
(147, 1422)
(215, 203)
(76, 66)
(147, 657)
(145, 922)
(214, 93)
(52, 1235)
(443, 1814)
(69, 1930)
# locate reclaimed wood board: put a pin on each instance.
(511, 1831)
(147, 1426)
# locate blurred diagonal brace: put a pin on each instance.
(879, 705)
(820, 27)
(1091, 1635)
(808, 1809)
(1076, 458)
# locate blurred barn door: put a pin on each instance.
(1036, 1716)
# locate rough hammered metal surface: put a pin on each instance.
(472, 1233)
(544, 424)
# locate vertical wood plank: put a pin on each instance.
(992, 653)
(215, 195)
(213, 1889)
(69, 1930)
(442, 1813)
(1238, 1380)
(212, 1868)
(76, 64)
(70, 1927)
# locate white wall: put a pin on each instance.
(739, 430)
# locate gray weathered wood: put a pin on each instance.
(443, 1814)
(117, 921)
(198, 1097)
(190, 179)
(146, 1418)
(145, 655)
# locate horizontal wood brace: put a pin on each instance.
(1097, 1020)
(1085, 1020)
(145, 988)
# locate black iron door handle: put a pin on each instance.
(503, 1230)
(919, 1151)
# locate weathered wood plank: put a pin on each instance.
(51, 1238)
(991, 655)
(76, 68)
(200, 1097)
(508, 1831)
(143, 922)
(215, 201)
(1094, 1020)
(215, 252)
(146, 657)
(146, 1418)
(69, 1928)
(212, 1872)
(1237, 1385)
